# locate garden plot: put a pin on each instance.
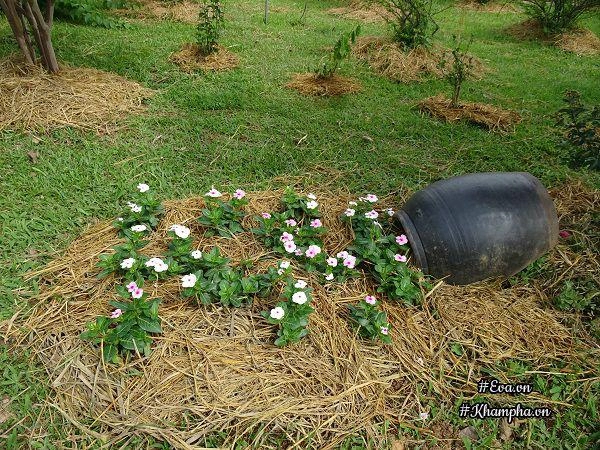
(215, 368)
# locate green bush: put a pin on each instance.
(581, 125)
(341, 51)
(412, 21)
(558, 15)
(210, 25)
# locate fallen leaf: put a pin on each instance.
(33, 156)
(468, 432)
(505, 431)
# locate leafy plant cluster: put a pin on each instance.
(224, 217)
(581, 125)
(370, 321)
(457, 66)
(87, 12)
(384, 255)
(556, 16)
(341, 51)
(129, 327)
(145, 209)
(292, 314)
(412, 21)
(210, 26)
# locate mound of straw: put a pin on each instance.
(89, 99)
(216, 370)
(487, 116)
(312, 84)
(579, 41)
(190, 59)
(367, 12)
(489, 7)
(388, 59)
(180, 11)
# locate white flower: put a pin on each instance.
(424, 416)
(299, 298)
(289, 246)
(372, 214)
(329, 277)
(135, 208)
(277, 313)
(349, 212)
(181, 231)
(213, 193)
(120, 219)
(196, 254)
(131, 204)
(161, 267)
(138, 228)
(311, 196)
(342, 254)
(143, 187)
(153, 262)
(188, 281)
(312, 204)
(332, 262)
(371, 198)
(390, 212)
(298, 252)
(127, 263)
(284, 264)
(300, 284)
(352, 203)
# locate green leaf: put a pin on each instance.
(149, 325)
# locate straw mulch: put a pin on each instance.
(579, 41)
(216, 370)
(190, 59)
(488, 116)
(388, 59)
(180, 11)
(312, 84)
(368, 12)
(490, 6)
(78, 97)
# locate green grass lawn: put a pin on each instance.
(241, 128)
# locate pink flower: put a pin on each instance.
(342, 254)
(312, 251)
(370, 299)
(316, 223)
(213, 193)
(564, 234)
(332, 262)
(372, 198)
(265, 215)
(401, 240)
(286, 237)
(390, 212)
(384, 330)
(372, 214)
(350, 262)
(400, 258)
(291, 222)
(298, 252)
(132, 286)
(239, 194)
(116, 314)
(349, 212)
(137, 292)
(289, 246)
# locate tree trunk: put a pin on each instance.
(27, 20)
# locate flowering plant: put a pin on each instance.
(291, 315)
(145, 210)
(125, 260)
(129, 326)
(370, 320)
(300, 206)
(224, 217)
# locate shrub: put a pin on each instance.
(341, 51)
(558, 15)
(412, 21)
(581, 125)
(370, 321)
(457, 66)
(210, 25)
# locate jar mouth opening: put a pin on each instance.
(414, 240)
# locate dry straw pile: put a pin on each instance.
(487, 116)
(312, 84)
(387, 58)
(216, 370)
(190, 58)
(89, 99)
